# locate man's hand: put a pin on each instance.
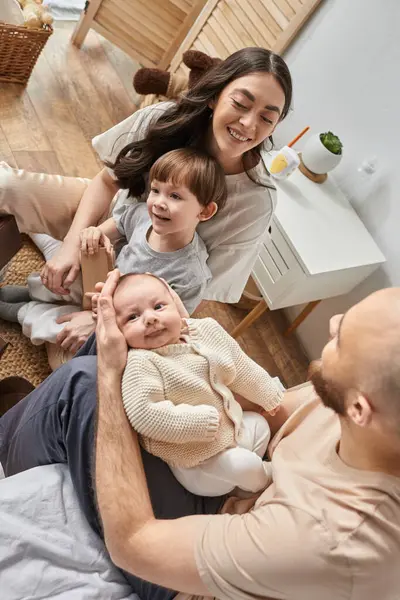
(247, 405)
(62, 269)
(91, 240)
(112, 349)
(162, 551)
(79, 326)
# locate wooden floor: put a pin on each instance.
(48, 125)
(72, 96)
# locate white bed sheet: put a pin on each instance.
(47, 549)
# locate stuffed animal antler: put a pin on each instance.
(164, 83)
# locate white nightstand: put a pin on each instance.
(317, 248)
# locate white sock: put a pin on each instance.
(46, 244)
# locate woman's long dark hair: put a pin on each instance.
(186, 122)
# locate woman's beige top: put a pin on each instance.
(234, 236)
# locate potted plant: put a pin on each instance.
(322, 153)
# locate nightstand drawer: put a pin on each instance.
(276, 270)
(276, 255)
(265, 256)
(282, 248)
(273, 258)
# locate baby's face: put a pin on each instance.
(146, 313)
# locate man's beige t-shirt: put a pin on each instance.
(321, 531)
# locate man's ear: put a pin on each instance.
(359, 410)
(208, 211)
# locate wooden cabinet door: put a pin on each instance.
(225, 26)
(149, 31)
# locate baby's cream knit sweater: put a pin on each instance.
(179, 398)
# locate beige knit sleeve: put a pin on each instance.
(154, 416)
(250, 380)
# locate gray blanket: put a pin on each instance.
(47, 549)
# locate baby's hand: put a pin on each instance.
(92, 238)
(270, 413)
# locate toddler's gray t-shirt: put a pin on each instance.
(185, 270)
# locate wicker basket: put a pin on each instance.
(19, 50)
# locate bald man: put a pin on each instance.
(358, 377)
(327, 528)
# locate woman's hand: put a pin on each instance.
(112, 349)
(91, 240)
(62, 269)
(79, 326)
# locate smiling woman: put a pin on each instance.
(230, 114)
(246, 95)
(248, 109)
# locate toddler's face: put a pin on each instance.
(173, 209)
(146, 313)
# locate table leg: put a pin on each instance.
(301, 317)
(85, 22)
(253, 315)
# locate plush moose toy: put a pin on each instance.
(171, 85)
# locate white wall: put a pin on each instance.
(346, 71)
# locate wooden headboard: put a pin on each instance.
(150, 31)
(225, 26)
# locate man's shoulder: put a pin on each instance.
(262, 546)
(287, 549)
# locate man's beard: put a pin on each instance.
(332, 395)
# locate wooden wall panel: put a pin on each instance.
(225, 26)
(150, 31)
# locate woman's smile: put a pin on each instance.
(237, 136)
(244, 115)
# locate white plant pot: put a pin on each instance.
(317, 158)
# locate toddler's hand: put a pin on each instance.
(92, 238)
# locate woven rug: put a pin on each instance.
(263, 342)
(21, 357)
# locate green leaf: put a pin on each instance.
(331, 142)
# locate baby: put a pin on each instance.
(178, 388)
(186, 188)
